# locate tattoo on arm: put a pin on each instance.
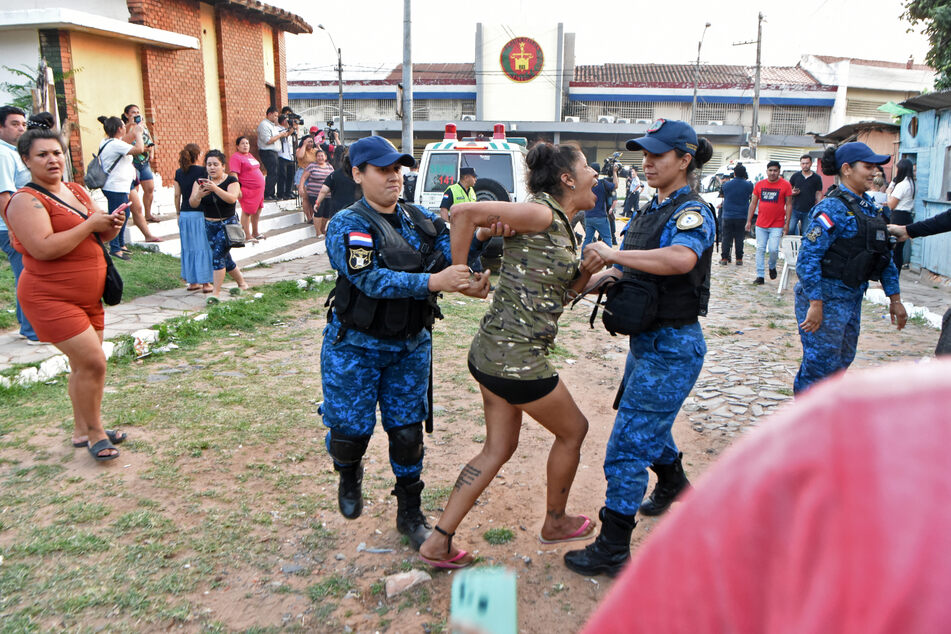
(38, 205)
(467, 476)
(493, 219)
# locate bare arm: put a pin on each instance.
(324, 190)
(4, 199)
(133, 135)
(749, 215)
(177, 197)
(30, 222)
(194, 199)
(892, 202)
(520, 217)
(230, 195)
(673, 260)
(788, 211)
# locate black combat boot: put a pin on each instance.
(610, 551)
(410, 520)
(350, 490)
(671, 480)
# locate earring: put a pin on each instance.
(572, 187)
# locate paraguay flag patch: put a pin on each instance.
(360, 239)
(825, 221)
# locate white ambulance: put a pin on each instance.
(499, 164)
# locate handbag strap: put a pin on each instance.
(84, 216)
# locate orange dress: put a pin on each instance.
(63, 297)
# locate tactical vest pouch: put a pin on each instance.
(401, 259)
(630, 306)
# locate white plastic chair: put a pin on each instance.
(790, 250)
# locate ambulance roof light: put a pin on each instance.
(499, 131)
(450, 134)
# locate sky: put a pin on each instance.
(370, 32)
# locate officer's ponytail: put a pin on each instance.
(546, 163)
(827, 162)
(703, 154)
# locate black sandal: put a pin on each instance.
(449, 564)
(102, 445)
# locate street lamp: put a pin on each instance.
(696, 75)
(339, 80)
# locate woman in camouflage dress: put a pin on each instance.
(508, 356)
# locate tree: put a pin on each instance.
(935, 15)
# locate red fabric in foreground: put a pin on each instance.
(834, 517)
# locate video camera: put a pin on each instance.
(295, 119)
(608, 167)
(330, 133)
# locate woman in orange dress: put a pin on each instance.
(64, 273)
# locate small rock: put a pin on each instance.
(403, 581)
(739, 391)
(290, 569)
(340, 556)
(774, 396)
(756, 409)
(157, 378)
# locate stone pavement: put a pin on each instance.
(149, 310)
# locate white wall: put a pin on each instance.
(116, 9)
(18, 48)
(508, 100)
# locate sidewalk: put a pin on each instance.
(918, 288)
(149, 310)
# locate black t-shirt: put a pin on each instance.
(342, 190)
(216, 209)
(808, 187)
(186, 180)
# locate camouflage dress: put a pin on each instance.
(520, 326)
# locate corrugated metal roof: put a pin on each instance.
(683, 75)
(463, 73)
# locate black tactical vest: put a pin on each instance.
(681, 298)
(402, 317)
(865, 255)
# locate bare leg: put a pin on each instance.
(235, 274)
(87, 380)
(502, 426)
(138, 217)
(148, 191)
(559, 414)
(218, 276)
(246, 224)
(322, 226)
(254, 224)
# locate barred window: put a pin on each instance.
(728, 113)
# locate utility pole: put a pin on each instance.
(696, 76)
(754, 129)
(340, 95)
(754, 137)
(407, 77)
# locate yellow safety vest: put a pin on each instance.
(459, 195)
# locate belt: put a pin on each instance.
(672, 323)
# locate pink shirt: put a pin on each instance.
(248, 170)
(835, 516)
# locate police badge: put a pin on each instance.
(359, 258)
(689, 219)
(814, 234)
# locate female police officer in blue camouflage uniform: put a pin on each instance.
(844, 246)
(669, 244)
(391, 261)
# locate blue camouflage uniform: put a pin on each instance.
(832, 347)
(661, 369)
(359, 370)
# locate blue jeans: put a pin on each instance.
(16, 263)
(767, 239)
(115, 200)
(798, 222)
(602, 225)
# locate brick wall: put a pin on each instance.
(173, 82)
(244, 95)
(55, 49)
(280, 68)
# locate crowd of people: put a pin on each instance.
(393, 260)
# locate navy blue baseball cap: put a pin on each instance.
(467, 171)
(856, 152)
(664, 135)
(376, 150)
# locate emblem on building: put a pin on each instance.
(522, 59)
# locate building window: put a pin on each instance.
(442, 109)
(593, 111)
(318, 111)
(723, 113)
(798, 120)
(866, 110)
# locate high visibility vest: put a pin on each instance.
(459, 195)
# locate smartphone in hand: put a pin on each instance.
(121, 208)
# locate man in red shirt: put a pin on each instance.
(774, 198)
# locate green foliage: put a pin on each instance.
(334, 586)
(22, 93)
(496, 536)
(935, 16)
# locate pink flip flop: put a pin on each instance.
(448, 564)
(584, 532)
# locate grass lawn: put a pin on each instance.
(146, 273)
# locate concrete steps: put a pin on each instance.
(287, 235)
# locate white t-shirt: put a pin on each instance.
(878, 197)
(121, 176)
(904, 192)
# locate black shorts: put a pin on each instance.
(514, 391)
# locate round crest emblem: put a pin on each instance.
(522, 59)
(657, 125)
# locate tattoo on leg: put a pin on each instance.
(467, 476)
(556, 515)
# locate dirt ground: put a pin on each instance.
(268, 503)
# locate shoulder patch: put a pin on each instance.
(813, 234)
(689, 219)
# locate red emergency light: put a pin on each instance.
(450, 134)
(499, 131)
